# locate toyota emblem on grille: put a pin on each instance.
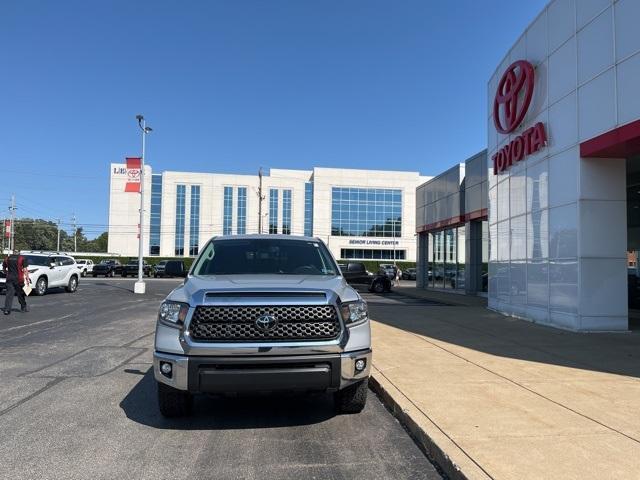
(266, 322)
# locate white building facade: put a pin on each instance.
(563, 127)
(359, 214)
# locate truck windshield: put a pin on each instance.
(264, 256)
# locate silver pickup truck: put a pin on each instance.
(262, 313)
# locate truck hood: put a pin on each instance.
(195, 288)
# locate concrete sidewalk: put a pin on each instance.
(495, 397)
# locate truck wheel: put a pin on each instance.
(353, 398)
(173, 402)
(73, 284)
(378, 287)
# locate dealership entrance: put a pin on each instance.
(633, 239)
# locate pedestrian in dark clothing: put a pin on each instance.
(15, 268)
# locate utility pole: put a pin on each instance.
(140, 286)
(75, 230)
(260, 198)
(12, 208)
(58, 247)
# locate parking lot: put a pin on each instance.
(78, 401)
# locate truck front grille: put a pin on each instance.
(237, 323)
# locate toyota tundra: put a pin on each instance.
(262, 313)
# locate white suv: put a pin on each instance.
(50, 270)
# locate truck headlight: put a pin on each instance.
(354, 313)
(173, 313)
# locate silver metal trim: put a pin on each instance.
(180, 376)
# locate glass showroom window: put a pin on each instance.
(366, 212)
(241, 227)
(308, 209)
(227, 210)
(180, 214)
(273, 210)
(446, 259)
(286, 212)
(194, 221)
(156, 214)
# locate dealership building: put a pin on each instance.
(359, 214)
(563, 174)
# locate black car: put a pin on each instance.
(409, 274)
(131, 268)
(160, 270)
(355, 273)
(107, 268)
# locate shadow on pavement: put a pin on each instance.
(482, 330)
(218, 413)
(105, 284)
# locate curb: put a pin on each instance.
(449, 301)
(442, 461)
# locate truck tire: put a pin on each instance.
(173, 402)
(353, 398)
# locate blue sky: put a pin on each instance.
(229, 86)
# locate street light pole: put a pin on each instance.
(140, 285)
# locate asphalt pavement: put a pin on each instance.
(77, 401)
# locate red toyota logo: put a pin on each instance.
(514, 93)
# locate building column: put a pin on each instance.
(473, 257)
(422, 266)
(602, 245)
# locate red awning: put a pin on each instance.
(621, 142)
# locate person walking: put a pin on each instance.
(15, 269)
(398, 276)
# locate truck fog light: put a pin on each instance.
(361, 365)
(166, 369)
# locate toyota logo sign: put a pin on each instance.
(266, 322)
(513, 96)
(510, 106)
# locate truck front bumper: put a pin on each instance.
(197, 374)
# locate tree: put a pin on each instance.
(38, 234)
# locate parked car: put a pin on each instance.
(409, 274)
(85, 266)
(389, 270)
(131, 268)
(172, 266)
(108, 268)
(262, 313)
(355, 273)
(158, 269)
(50, 270)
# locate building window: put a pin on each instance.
(180, 212)
(447, 261)
(286, 212)
(273, 210)
(227, 215)
(366, 212)
(241, 227)
(156, 214)
(194, 221)
(308, 209)
(366, 254)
